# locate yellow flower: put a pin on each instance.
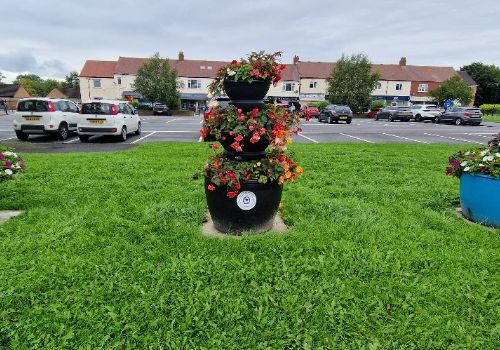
(259, 163)
(299, 169)
(286, 166)
(281, 179)
(288, 174)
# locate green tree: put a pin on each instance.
(453, 89)
(352, 82)
(71, 81)
(487, 78)
(156, 81)
(35, 85)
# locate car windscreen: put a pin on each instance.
(431, 107)
(343, 109)
(33, 106)
(96, 108)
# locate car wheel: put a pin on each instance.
(348, 121)
(458, 121)
(123, 134)
(22, 136)
(376, 117)
(418, 118)
(84, 138)
(62, 132)
(436, 120)
(138, 131)
(391, 119)
(155, 114)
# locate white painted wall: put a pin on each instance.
(107, 90)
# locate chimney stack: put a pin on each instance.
(181, 56)
(402, 61)
(296, 59)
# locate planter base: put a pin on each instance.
(9, 214)
(208, 229)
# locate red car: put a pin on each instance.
(311, 111)
(373, 112)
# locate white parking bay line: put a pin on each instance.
(354, 137)
(170, 121)
(479, 135)
(10, 138)
(452, 138)
(405, 138)
(307, 138)
(142, 138)
(74, 140)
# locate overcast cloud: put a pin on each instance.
(52, 37)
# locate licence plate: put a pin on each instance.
(96, 121)
(32, 117)
(343, 117)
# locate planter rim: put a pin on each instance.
(248, 82)
(481, 175)
(253, 182)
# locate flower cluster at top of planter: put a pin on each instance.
(484, 160)
(10, 164)
(258, 66)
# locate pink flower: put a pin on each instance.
(211, 187)
(232, 194)
(1, 156)
(8, 164)
(449, 171)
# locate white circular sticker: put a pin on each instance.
(246, 200)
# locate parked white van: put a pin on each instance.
(45, 116)
(108, 117)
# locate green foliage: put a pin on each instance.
(156, 81)
(320, 104)
(377, 104)
(488, 79)
(352, 82)
(452, 89)
(71, 81)
(116, 260)
(35, 85)
(135, 103)
(490, 109)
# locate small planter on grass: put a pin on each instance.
(479, 174)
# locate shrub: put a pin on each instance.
(377, 104)
(490, 109)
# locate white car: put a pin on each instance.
(45, 116)
(108, 117)
(425, 112)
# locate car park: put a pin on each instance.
(310, 111)
(335, 113)
(425, 112)
(47, 116)
(461, 116)
(108, 117)
(161, 109)
(392, 113)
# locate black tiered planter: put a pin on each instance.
(256, 204)
(250, 150)
(246, 91)
(253, 209)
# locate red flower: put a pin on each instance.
(233, 62)
(251, 127)
(255, 73)
(204, 133)
(238, 138)
(211, 187)
(254, 112)
(231, 175)
(237, 186)
(232, 194)
(241, 118)
(215, 147)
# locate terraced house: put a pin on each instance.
(400, 84)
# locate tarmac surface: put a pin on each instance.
(186, 129)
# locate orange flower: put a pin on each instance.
(211, 187)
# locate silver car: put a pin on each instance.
(461, 116)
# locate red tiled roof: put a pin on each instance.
(290, 73)
(320, 70)
(98, 69)
(185, 68)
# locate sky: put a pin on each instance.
(53, 37)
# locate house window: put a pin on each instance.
(202, 67)
(423, 87)
(289, 87)
(119, 81)
(399, 87)
(378, 86)
(313, 84)
(97, 83)
(194, 84)
(209, 67)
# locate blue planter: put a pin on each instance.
(480, 198)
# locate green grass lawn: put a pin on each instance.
(109, 255)
(492, 118)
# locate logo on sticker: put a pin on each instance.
(246, 200)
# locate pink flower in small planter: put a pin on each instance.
(8, 164)
(1, 156)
